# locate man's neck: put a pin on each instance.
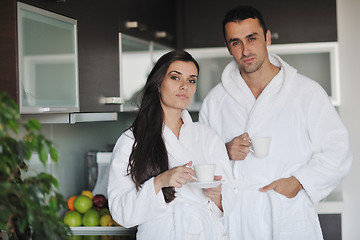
(257, 81)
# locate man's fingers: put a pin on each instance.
(268, 187)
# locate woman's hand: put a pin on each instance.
(175, 177)
(215, 193)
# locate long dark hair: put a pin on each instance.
(149, 157)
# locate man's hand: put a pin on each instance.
(289, 187)
(238, 148)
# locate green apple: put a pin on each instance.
(72, 219)
(91, 218)
(82, 203)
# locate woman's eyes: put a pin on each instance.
(193, 81)
(174, 78)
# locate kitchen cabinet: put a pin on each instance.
(318, 61)
(99, 24)
(298, 22)
(137, 58)
(331, 226)
(48, 66)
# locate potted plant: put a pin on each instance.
(29, 206)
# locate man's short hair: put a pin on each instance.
(241, 13)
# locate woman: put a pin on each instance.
(151, 175)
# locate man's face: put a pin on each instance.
(246, 43)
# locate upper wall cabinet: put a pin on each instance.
(48, 69)
(295, 22)
(137, 58)
(318, 61)
(98, 28)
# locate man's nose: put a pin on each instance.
(245, 50)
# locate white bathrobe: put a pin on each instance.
(191, 215)
(308, 142)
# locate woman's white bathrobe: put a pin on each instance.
(308, 142)
(191, 215)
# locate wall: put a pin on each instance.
(348, 35)
(73, 141)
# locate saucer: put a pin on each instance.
(205, 184)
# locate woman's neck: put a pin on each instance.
(173, 121)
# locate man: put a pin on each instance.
(261, 95)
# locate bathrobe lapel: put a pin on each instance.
(270, 100)
(178, 150)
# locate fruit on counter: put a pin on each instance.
(91, 237)
(91, 218)
(116, 224)
(72, 219)
(110, 237)
(99, 201)
(106, 220)
(82, 203)
(104, 211)
(87, 193)
(70, 203)
(75, 237)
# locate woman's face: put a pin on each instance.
(178, 86)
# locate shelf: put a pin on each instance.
(103, 231)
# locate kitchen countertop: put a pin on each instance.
(332, 204)
(103, 231)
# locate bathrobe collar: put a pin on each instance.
(235, 85)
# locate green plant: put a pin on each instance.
(29, 206)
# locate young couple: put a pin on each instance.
(268, 198)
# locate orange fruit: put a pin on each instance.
(71, 203)
(87, 193)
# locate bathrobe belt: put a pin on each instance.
(182, 208)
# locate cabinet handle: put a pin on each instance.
(275, 36)
(112, 100)
(135, 25)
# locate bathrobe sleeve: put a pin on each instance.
(130, 207)
(216, 151)
(331, 159)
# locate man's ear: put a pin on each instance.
(268, 38)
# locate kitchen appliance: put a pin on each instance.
(98, 164)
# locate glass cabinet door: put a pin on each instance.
(137, 58)
(48, 65)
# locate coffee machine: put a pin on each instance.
(98, 166)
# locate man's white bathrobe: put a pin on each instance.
(308, 142)
(191, 215)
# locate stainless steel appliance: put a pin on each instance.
(98, 164)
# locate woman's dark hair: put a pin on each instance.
(241, 13)
(149, 156)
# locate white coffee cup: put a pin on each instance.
(260, 146)
(205, 172)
